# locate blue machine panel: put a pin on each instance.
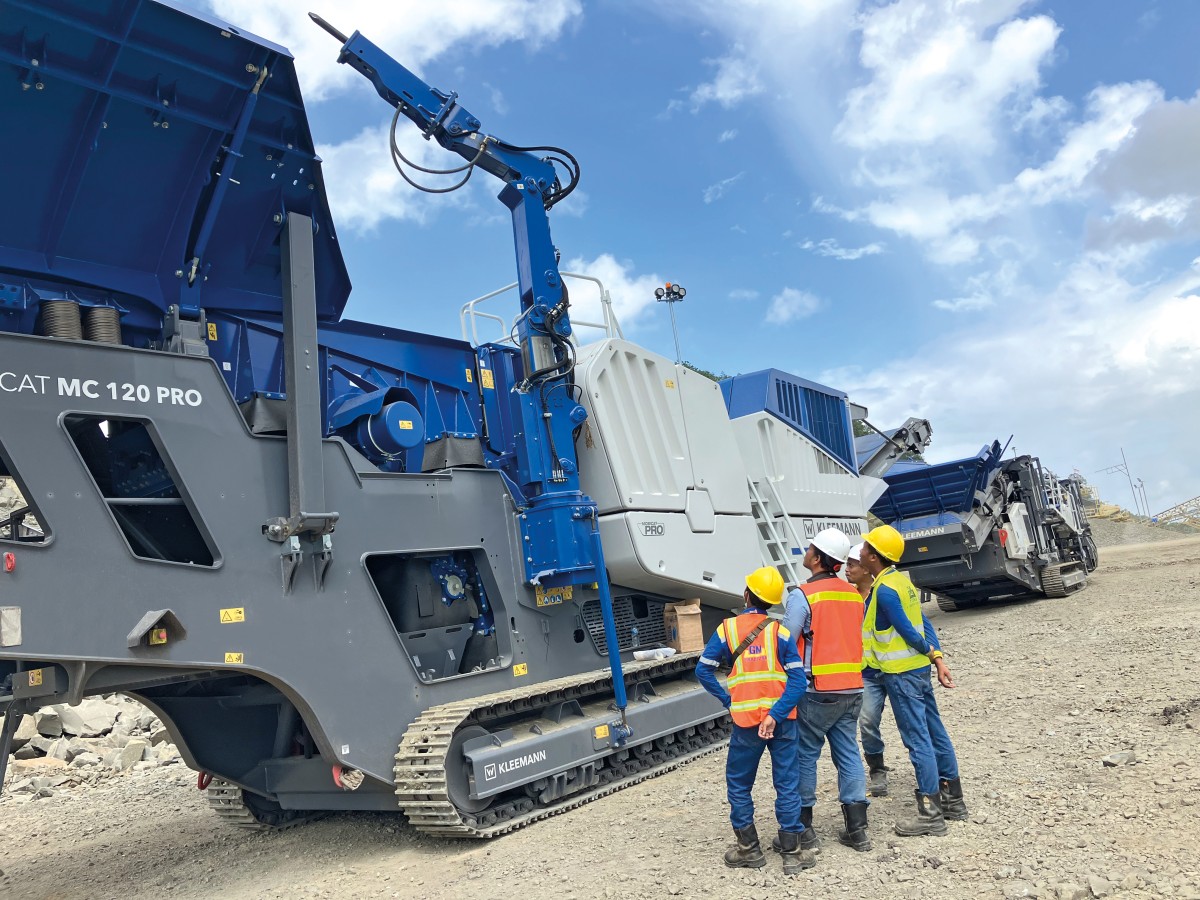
(816, 411)
(164, 149)
(946, 488)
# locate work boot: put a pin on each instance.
(928, 819)
(795, 858)
(954, 807)
(808, 837)
(855, 833)
(746, 853)
(877, 773)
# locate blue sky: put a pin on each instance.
(980, 211)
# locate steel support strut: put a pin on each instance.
(623, 731)
(12, 720)
(306, 473)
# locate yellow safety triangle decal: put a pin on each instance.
(233, 614)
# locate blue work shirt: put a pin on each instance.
(716, 654)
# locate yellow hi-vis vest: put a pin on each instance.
(886, 650)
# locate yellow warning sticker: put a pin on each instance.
(520, 669)
(406, 424)
(35, 677)
(235, 659)
(212, 331)
(157, 637)
(600, 732)
(470, 376)
(670, 384)
(486, 379)
(552, 596)
(233, 614)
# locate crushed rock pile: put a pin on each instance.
(65, 746)
(1109, 533)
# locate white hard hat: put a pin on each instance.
(856, 551)
(833, 543)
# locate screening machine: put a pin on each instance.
(349, 566)
(987, 528)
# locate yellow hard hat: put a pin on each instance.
(887, 541)
(766, 584)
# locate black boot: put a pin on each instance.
(855, 833)
(808, 837)
(954, 807)
(877, 775)
(795, 858)
(746, 853)
(928, 819)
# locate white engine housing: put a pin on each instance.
(671, 475)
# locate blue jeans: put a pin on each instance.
(745, 750)
(921, 728)
(874, 698)
(832, 716)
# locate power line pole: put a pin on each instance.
(1123, 467)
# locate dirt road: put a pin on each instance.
(1046, 690)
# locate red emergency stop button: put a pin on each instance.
(10, 561)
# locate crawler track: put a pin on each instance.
(228, 801)
(421, 763)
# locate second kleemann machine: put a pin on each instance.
(350, 566)
(987, 528)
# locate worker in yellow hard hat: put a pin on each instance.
(874, 693)
(894, 643)
(765, 682)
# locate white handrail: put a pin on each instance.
(469, 315)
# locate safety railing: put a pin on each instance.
(470, 315)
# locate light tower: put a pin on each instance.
(671, 295)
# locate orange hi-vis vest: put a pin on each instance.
(835, 633)
(757, 678)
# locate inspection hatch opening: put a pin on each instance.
(20, 520)
(141, 488)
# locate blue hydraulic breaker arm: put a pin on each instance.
(559, 523)
(531, 187)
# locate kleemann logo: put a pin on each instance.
(491, 770)
(926, 532)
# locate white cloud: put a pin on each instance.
(364, 187)
(831, 248)
(790, 305)
(736, 79)
(421, 33)
(727, 135)
(631, 294)
(574, 205)
(740, 295)
(1097, 364)
(715, 192)
(942, 71)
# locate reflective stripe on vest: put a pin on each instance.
(835, 632)
(757, 678)
(888, 651)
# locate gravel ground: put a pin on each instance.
(1046, 690)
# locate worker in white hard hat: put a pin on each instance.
(826, 614)
(893, 641)
(874, 694)
(766, 679)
